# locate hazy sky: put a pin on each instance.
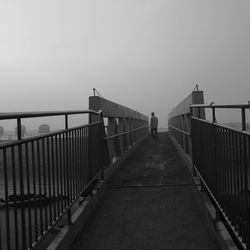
(147, 55)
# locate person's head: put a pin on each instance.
(152, 113)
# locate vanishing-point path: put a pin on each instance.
(150, 203)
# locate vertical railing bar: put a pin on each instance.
(78, 160)
(69, 168)
(13, 162)
(238, 178)
(217, 168)
(57, 199)
(40, 186)
(235, 197)
(243, 196)
(224, 170)
(64, 170)
(49, 178)
(240, 183)
(93, 165)
(68, 177)
(245, 188)
(81, 154)
(102, 150)
(241, 162)
(45, 184)
(213, 115)
(53, 176)
(224, 167)
(20, 156)
(28, 193)
(34, 188)
(1, 235)
(230, 169)
(219, 164)
(66, 122)
(233, 176)
(86, 156)
(89, 152)
(215, 137)
(7, 216)
(243, 119)
(209, 155)
(61, 170)
(73, 164)
(76, 163)
(230, 173)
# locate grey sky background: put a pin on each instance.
(147, 55)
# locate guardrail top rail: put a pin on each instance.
(20, 115)
(213, 107)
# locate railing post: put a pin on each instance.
(20, 156)
(191, 141)
(121, 138)
(89, 147)
(69, 221)
(245, 166)
(213, 115)
(102, 143)
(110, 132)
(243, 118)
(66, 122)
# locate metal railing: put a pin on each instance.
(221, 158)
(42, 177)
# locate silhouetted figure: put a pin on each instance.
(154, 126)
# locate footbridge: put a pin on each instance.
(104, 183)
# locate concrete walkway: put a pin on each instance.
(150, 203)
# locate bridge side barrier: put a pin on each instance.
(43, 176)
(221, 158)
(125, 127)
(179, 120)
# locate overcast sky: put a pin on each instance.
(147, 55)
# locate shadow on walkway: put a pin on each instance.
(150, 203)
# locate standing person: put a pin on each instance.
(154, 126)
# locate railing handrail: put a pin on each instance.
(124, 133)
(180, 130)
(20, 115)
(229, 106)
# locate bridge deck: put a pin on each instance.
(150, 203)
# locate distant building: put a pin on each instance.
(1, 131)
(44, 128)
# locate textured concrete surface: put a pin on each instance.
(150, 203)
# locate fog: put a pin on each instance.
(146, 55)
